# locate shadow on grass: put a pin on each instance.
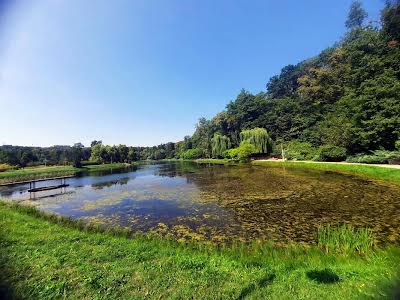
(262, 282)
(326, 276)
(6, 292)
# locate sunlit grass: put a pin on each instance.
(372, 172)
(43, 172)
(345, 238)
(45, 256)
(213, 161)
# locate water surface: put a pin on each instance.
(223, 203)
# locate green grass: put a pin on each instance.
(372, 172)
(105, 166)
(50, 171)
(213, 161)
(45, 257)
(36, 173)
(345, 238)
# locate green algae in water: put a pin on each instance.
(219, 203)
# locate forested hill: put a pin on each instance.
(343, 102)
(347, 96)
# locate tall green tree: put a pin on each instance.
(390, 19)
(201, 138)
(77, 155)
(220, 144)
(259, 138)
(356, 15)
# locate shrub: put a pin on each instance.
(375, 157)
(231, 153)
(5, 167)
(330, 153)
(89, 163)
(192, 154)
(300, 151)
(243, 152)
(397, 145)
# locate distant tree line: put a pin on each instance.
(344, 102)
(55, 155)
(78, 154)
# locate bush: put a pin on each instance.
(5, 167)
(330, 153)
(231, 153)
(89, 163)
(397, 145)
(375, 157)
(243, 152)
(192, 154)
(300, 151)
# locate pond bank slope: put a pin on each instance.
(52, 171)
(377, 172)
(41, 259)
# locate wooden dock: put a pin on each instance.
(36, 180)
(47, 188)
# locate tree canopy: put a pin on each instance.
(356, 15)
(259, 138)
(219, 144)
(343, 101)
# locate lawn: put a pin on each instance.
(372, 172)
(50, 171)
(389, 175)
(44, 257)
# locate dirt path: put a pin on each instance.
(338, 163)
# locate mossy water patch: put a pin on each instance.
(222, 203)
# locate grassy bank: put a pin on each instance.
(44, 257)
(51, 171)
(103, 167)
(369, 172)
(213, 161)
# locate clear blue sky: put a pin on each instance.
(142, 72)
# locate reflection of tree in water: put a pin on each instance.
(101, 185)
(289, 204)
(179, 168)
(100, 173)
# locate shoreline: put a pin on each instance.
(331, 162)
(90, 261)
(46, 173)
(380, 172)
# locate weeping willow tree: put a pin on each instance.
(259, 138)
(219, 143)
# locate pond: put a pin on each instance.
(222, 203)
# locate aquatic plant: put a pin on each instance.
(345, 239)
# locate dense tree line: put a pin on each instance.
(78, 154)
(343, 102)
(56, 155)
